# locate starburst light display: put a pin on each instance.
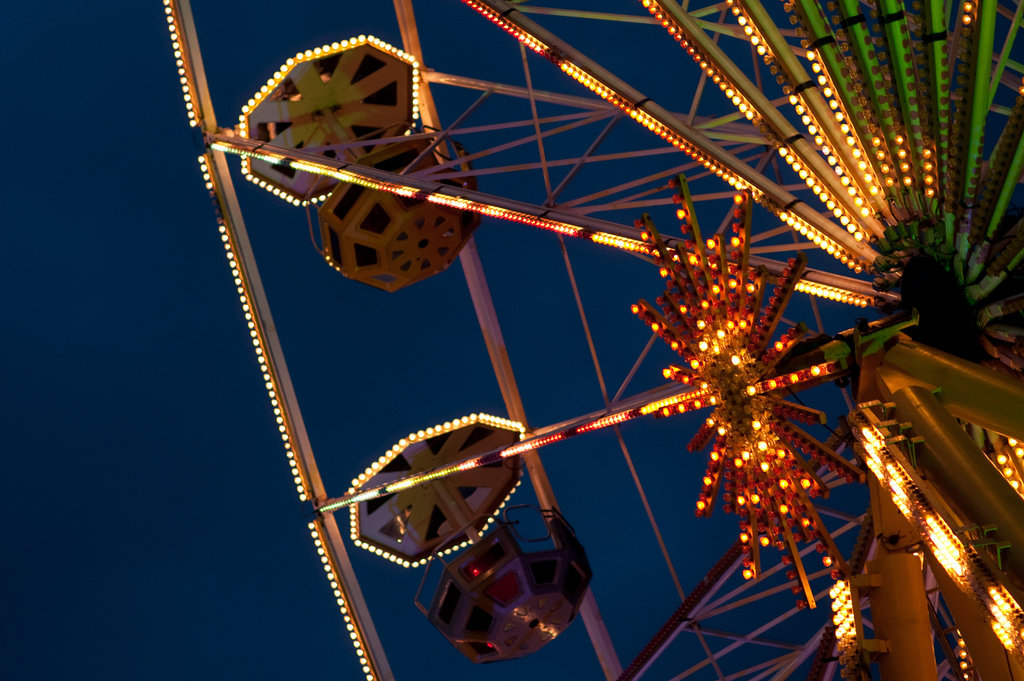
(715, 315)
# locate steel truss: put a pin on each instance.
(524, 143)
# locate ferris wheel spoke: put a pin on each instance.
(1007, 69)
(587, 14)
(599, 231)
(583, 205)
(668, 126)
(536, 125)
(718, 129)
(698, 622)
(632, 184)
(582, 116)
(770, 666)
(752, 102)
(768, 234)
(518, 91)
(711, 658)
(585, 114)
(736, 645)
(433, 170)
(733, 31)
(810, 648)
(680, 398)
(618, 433)
(721, 130)
(756, 640)
(631, 202)
(680, 620)
(636, 366)
(725, 605)
(572, 122)
(598, 139)
(443, 136)
(730, 601)
(782, 248)
(703, 77)
(535, 165)
(835, 513)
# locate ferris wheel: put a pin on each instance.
(869, 156)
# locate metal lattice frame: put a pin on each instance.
(592, 124)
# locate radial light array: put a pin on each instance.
(906, 122)
(834, 240)
(711, 315)
(902, 136)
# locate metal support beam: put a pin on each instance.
(969, 391)
(987, 654)
(484, 306)
(951, 461)
(243, 145)
(682, 616)
(899, 611)
(262, 324)
(659, 118)
(583, 159)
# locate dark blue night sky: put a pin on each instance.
(151, 527)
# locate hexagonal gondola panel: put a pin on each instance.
(359, 90)
(496, 602)
(386, 240)
(410, 525)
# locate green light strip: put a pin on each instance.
(903, 69)
(984, 43)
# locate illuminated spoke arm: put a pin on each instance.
(844, 89)
(1006, 166)
(903, 69)
(824, 124)
(885, 128)
(983, 39)
(674, 131)
(832, 286)
(755, 106)
(434, 191)
(601, 232)
(678, 401)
